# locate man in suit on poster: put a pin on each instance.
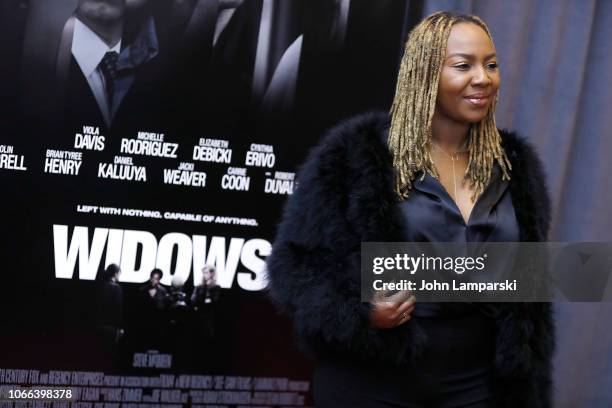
(179, 63)
(157, 65)
(107, 54)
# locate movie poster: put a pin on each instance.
(146, 150)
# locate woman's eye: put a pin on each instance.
(462, 66)
(492, 66)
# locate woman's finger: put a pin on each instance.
(404, 306)
(404, 317)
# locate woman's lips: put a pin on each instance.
(478, 101)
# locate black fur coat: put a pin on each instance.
(345, 196)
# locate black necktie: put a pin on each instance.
(108, 66)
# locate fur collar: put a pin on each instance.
(360, 145)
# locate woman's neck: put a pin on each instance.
(450, 135)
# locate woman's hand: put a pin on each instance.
(392, 311)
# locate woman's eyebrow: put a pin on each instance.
(470, 56)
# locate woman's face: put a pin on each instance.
(469, 79)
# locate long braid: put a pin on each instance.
(414, 106)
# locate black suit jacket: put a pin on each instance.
(142, 108)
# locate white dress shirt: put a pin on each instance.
(88, 50)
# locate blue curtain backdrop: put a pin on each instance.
(556, 69)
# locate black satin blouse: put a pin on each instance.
(433, 216)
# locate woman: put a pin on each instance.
(375, 178)
(204, 301)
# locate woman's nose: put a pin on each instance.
(481, 77)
